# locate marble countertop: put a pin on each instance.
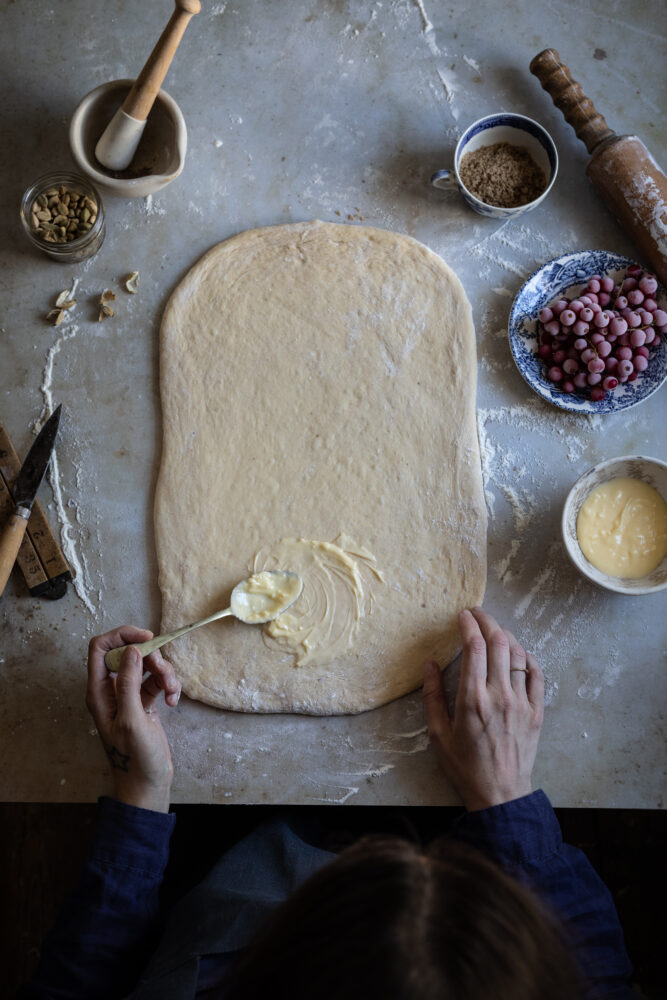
(335, 110)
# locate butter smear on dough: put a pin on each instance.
(622, 528)
(339, 580)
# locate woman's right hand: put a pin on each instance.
(487, 748)
(124, 707)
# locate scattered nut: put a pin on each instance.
(64, 300)
(132, 282)
(56, 316)
(106, 310)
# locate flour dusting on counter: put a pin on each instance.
(555, 610)
(348, 792)
(152, 208)
(80, 581)
(528, 248)
(449, 86)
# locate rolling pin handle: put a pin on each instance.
(578, 110)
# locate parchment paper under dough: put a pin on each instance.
(316, 379)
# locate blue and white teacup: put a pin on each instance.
(516, 130)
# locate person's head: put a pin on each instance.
(388, 920)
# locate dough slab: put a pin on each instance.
(318, 382)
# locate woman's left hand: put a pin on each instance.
(487, 748)
(125, 713)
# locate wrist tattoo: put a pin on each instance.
(119, 761)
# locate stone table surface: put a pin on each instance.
(317, 109)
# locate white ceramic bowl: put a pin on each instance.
(518, 130)
(161, 154)
(649, 470)
(564, 276)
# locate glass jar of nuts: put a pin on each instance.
(63, 215)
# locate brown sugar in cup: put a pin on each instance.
(503, 175)
(524, 136)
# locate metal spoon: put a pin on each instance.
(254, 601)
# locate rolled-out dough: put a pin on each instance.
(318, 380)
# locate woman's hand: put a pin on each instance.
(125, 713)
(487, 749)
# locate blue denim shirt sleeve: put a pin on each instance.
(106, 927)
(524, 837)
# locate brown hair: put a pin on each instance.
(388, 920)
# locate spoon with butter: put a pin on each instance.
(255, 601)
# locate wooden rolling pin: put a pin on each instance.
(629, 181)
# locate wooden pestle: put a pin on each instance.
(141, 98)
(629, 181)
(118, 143)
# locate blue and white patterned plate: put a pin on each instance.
(564, 276)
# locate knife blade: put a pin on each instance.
(24, 492)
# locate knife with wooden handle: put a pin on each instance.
(24, 492)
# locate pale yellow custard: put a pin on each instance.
(622, 528)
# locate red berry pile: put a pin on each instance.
(603, 337)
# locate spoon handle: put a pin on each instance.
(114, 656)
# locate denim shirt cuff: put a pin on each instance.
(523, 831)
(132, 838)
